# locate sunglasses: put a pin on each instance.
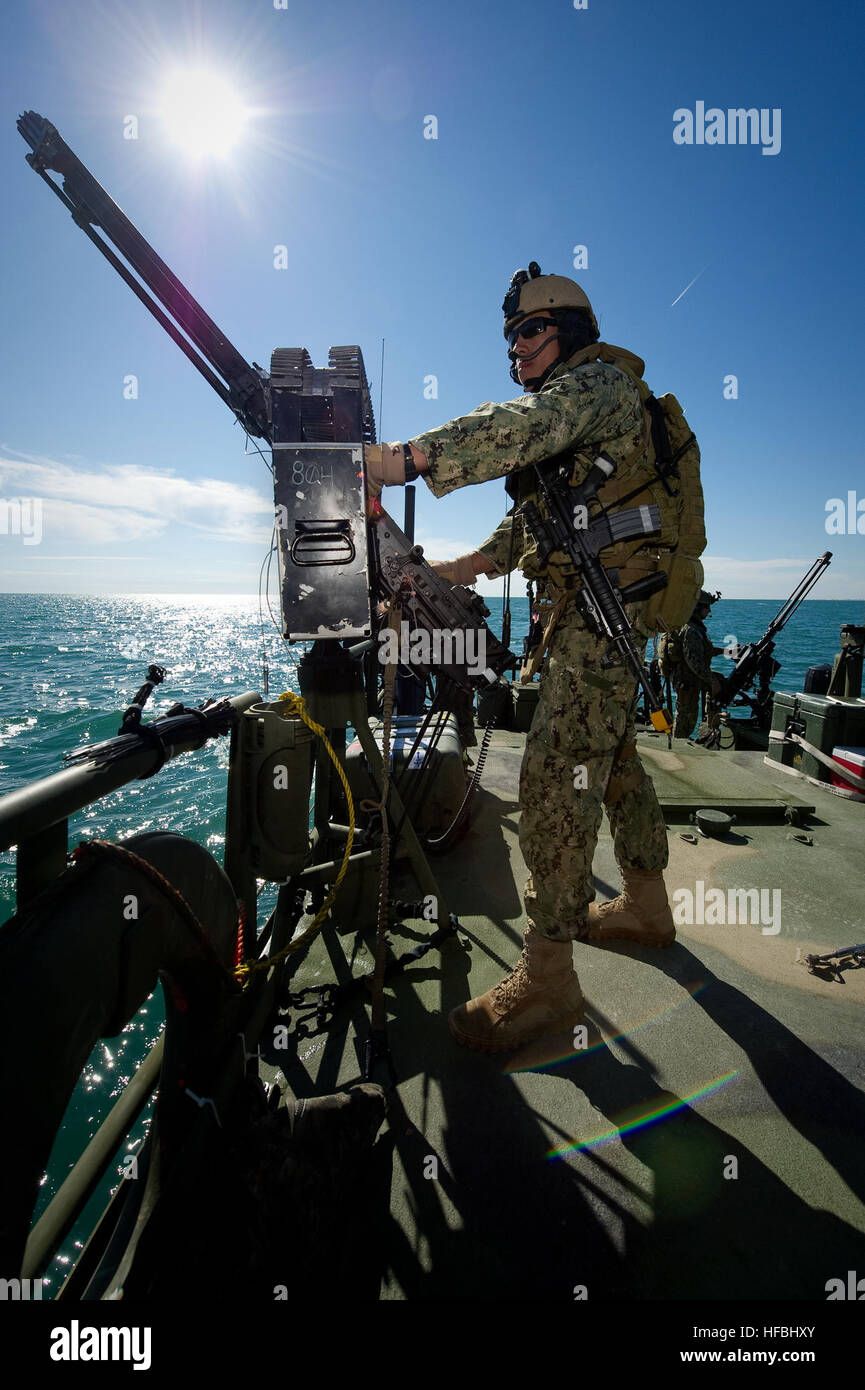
(528, 329)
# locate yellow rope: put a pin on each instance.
(297, 707)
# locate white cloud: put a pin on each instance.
(126, 501)
(442, 547)
(90, 559)
(73, 521)
(772, 578)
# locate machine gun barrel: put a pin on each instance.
(757, 655)
(239, 384)
(600, 602)
(803, 588)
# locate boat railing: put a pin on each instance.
(35, 818)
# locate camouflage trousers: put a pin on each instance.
(687, 710)
(580, 760)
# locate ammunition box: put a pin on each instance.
(525, 704)
(823, 720)
(432, 797)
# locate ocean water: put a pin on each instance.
(69, 666)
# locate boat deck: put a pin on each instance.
(706, 1141)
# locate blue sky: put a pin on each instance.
(555, 130)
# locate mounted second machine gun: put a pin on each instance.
(749, 684)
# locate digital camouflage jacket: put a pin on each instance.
(584, 407)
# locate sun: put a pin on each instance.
(202, 112)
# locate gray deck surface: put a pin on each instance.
(639, 1211)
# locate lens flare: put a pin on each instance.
(629, 1122)
(202, 112)
(693, 988)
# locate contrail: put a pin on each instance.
(687, 287)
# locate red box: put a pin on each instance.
(854, 759)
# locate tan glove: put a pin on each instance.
(459, 571)
(385, 467)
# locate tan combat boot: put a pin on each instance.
(641, 912)
(541, 995)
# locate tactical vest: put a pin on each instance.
(669, 448)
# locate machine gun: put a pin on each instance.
(600, 603)
(335, 567)
(463, 648)
(755, 663)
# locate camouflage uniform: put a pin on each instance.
(691, 675)
(582, 731)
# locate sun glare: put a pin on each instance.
(202, 112)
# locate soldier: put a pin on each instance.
(580, 753)
(686, 656)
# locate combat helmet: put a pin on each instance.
(529, 293)
(704, 600)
